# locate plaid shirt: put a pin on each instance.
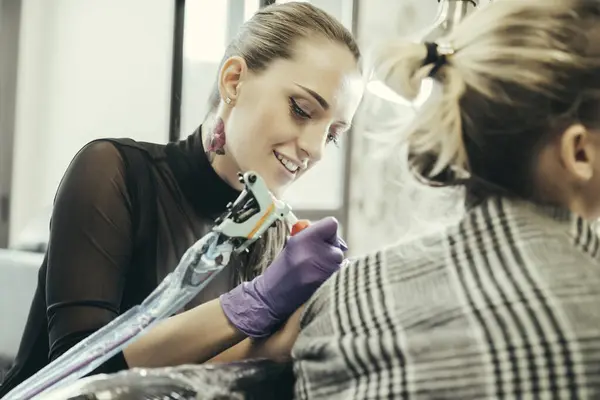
(503, 305)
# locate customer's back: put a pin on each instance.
(506, 303)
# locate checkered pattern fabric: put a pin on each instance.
(503, 305)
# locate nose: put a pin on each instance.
(312, 143)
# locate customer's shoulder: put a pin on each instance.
(372, 280)
(391, 264)
(419, 250)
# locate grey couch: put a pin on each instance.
(18, 280)
(19, 267)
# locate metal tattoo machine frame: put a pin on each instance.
(245, 220)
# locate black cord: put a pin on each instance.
(177, 72)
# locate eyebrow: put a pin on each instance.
(316, 96)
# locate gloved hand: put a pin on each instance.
(308, 259)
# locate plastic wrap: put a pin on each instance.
(248, 380)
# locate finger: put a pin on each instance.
(335, 256)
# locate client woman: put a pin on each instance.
(126, 212)
(505, 303)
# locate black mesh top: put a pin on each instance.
(93, 271)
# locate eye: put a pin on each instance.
(297, 111)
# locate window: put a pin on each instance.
(205, 31)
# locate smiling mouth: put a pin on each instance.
(291, 166)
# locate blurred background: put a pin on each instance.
(75, 70)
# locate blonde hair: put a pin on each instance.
(272, 34)
(520, 72)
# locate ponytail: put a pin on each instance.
(434, 137)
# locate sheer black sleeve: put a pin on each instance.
(90, 249)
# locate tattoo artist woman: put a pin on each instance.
(288, 86)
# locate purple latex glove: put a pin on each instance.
(309, 258)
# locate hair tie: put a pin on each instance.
(432, 53)
(437, 55)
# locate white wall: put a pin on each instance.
(87, 69)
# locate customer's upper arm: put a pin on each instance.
(90, 246)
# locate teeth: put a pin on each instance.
(289, 165)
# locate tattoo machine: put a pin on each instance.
(245, 220)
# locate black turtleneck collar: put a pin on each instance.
(203, 187)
